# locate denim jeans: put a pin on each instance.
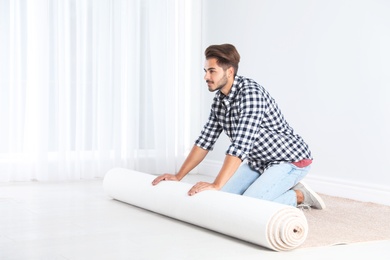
(274, 184)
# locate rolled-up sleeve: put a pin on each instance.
(209, 133)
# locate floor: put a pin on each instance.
(76, 220)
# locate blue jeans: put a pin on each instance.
(274, 184)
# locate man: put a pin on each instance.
(276, 158)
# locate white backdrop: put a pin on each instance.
(89, 85)
(327, 63)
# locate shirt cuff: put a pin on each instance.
(236, 152)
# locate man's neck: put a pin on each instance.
(226, 89)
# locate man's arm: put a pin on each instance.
(196, 155)
(229, 167)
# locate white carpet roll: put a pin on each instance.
(268, 224)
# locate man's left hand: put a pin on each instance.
(201, 186)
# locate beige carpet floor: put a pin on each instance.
(346, 221)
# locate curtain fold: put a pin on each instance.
(91, 85)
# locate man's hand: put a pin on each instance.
(201, 186)
(165, 177)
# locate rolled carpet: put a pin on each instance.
(268, 224)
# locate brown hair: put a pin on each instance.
(226, 55)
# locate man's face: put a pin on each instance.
(215, 75)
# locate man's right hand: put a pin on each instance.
(165, 177)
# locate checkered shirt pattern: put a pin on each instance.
(255, 126)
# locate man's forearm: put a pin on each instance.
(196, 155)
(229, 167)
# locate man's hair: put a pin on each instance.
(226, 55)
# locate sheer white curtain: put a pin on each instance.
(89, 85)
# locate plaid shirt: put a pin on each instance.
(255, 125)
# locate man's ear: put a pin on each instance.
(230, 72)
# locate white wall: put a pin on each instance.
(327, 63)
